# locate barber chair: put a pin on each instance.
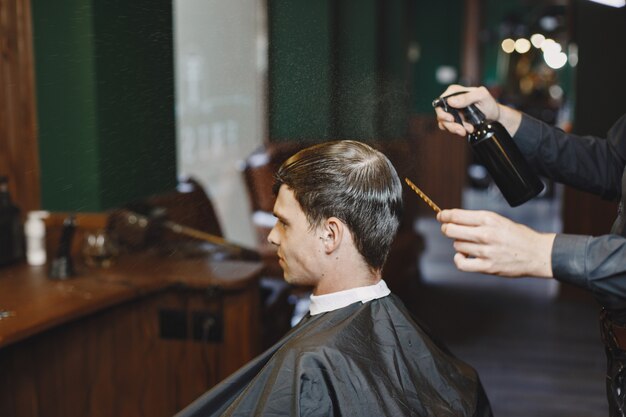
(183, 222)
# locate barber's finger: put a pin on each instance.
(464, 217)
(461, 101)
(475, 234)
(468, 127)
(473, 95)
(447, 121)
(443, 116)
(469, 249)
(470, 264)
(454, 127)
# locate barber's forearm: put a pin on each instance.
(509, 118)
(540, 261)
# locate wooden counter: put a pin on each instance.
(142, 338)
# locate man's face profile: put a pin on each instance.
(299, 246)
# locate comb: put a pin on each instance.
(423, 196)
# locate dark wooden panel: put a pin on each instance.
(18, 139)
(440, 163)
(115, 364)
(93, 345)
(599, 83)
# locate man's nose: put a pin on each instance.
(272, 237)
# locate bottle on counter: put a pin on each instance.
(497, 151)
(11, 234)
(35, 233)
(62, 266)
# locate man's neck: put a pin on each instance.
(331, 283)
(344, 268)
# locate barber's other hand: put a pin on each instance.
(489, 243)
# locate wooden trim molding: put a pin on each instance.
(19, 158)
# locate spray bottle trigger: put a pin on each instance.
(443, 103)
(455, 113)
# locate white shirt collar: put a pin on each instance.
(336, 300)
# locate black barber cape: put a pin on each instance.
(366, 359)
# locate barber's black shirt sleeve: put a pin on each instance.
(592, 164)
(588, 163)
(597, 264)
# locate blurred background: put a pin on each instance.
(106, 102)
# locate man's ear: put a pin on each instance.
(333, 231)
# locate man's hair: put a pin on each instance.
(353, 182)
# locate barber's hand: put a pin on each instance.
(489, 243)
(481, 97)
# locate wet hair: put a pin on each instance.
(353, 182)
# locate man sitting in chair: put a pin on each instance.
(357, 352)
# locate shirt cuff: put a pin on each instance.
(568, 259)
(528, 135)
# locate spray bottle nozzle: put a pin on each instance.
(471, 112)
(443, 103)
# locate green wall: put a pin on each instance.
(338, 69)
(437, 27)
(66, 104)
(395, 35)
(300, 69)
(354, 95)
(105, 101)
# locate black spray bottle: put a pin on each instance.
(497, 151)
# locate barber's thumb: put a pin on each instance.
(443, 216)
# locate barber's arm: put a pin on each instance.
(597, 264)
(588, 163)
(488, 243)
